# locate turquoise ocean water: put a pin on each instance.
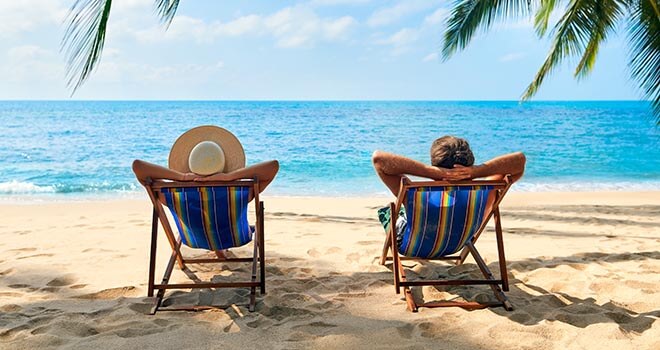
(77, 149)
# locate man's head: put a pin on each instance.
(449, 150)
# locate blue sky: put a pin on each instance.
(292, 50)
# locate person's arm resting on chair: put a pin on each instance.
(264, 172)
(391, 168)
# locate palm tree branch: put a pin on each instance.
(570, 38)
(166, 9)
(644, 59)
(604, 15)
(469, 15)
(84, 38)
(542, 16)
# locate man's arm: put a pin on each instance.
(264, 172)
(392, 167)
(144, 170)
(494, 169)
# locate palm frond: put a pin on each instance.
(644, 60)
(542, 16)
(166, 9)
(604, 14)
(469, 15)
(571, 37)
(84, 38)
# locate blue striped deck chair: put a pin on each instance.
(443, 222)
(211, 216)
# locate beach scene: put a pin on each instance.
(324, 102)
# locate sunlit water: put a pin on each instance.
(76, 149)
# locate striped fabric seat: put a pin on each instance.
(442, 219)
(212, 218)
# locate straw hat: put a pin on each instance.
(207, 150)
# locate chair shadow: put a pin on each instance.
(530, 309)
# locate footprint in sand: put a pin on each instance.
(67, 328)
(62, 281)
(7, 272)
(406, 331)
(112, 293)
(261, 322)
(333, 250)
(353, 258)
(11, 308)
(313, 253)
(317, 328)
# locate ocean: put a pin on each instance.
(84, 149)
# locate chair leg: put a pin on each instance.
(262, 249)
(500, 250)
(166, 278)
(499, 294)
(386, 248)
(411, 305)
(396, 262)
(152, 253)
(253, 299)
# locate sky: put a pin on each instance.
(292, 50)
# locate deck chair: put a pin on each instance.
(444, 221)
(211, 216)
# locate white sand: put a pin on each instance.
(583, 270)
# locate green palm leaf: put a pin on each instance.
(605, 14)
(543, 16)
(469, 15)
(580, 31)
(84, 38)
(166, 9)
(644, 35)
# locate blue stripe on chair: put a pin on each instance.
(442, 219)
(211, 218)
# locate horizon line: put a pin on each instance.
(309, 100)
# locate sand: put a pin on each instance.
(583, 269)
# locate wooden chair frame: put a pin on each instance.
(154, 189)
(499, 286)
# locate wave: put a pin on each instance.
(586, 186)
(17, 187)
(28, 188)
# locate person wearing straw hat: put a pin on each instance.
(207, 153)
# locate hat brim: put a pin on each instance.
(232, 148)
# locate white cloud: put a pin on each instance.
(338, 2)
(239, 26)
(27, 52)
(291, 27)
(338, 28)
(389, 15)
(26, 15)
(437, 17)
(432, 57)
(133, 73)
(514, 56)
(401, 40)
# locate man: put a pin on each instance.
(451, 160)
